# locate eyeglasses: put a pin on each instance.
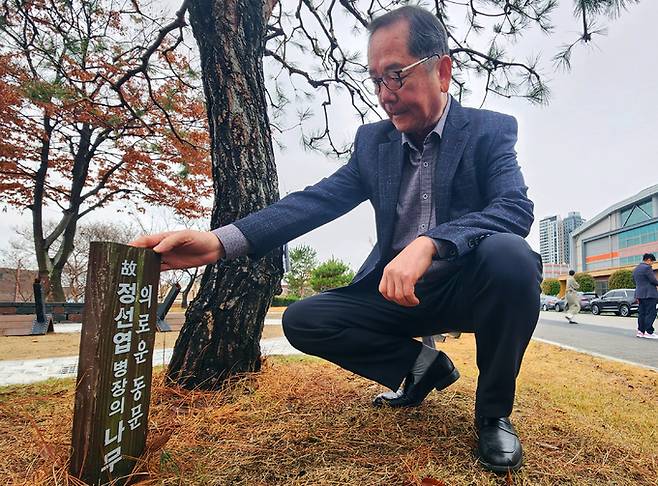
(394, 80)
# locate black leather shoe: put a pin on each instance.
(440, 374)
(499, 447)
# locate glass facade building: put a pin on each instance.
(619, 236)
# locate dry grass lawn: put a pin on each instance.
(583, 421)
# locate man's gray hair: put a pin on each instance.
(427, 35)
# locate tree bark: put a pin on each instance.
(224, 322)
(40, 249)
(17, 282)
(50, 269)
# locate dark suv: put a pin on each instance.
(621, 301)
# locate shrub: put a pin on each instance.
(284, 301)
(621, 279)
(586, 282)
(331, 274)
(550, 286)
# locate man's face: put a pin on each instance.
(417, 106)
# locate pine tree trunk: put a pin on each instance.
(224, 322)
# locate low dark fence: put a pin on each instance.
(61, 311)
(64, 311)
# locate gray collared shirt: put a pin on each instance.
(415, 207)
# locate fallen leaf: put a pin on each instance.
(432, 482)
(159, 441)
(508, 479)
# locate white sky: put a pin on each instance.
(592, 146)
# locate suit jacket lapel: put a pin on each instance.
(453, 142)
(390, 160)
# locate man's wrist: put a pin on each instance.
(233, 242)
(430, 244)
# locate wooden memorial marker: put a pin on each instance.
(114, 369)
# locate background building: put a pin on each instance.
(555, 242)
(549, 240)
(569, 224)
(617, 237)
(555, 270)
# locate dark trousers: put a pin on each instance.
(646, 314)
(493, 292)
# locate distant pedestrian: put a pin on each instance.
(572, 297)
(647, 294)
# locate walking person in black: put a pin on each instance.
(647, 293)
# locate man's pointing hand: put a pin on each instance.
(183, 249)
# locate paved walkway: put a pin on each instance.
(30, 371)
(607, 336)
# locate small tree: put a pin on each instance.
(550, 286)
(586, 282)
(331, 274)
(192, 276)
(303, 260)
(621, 279)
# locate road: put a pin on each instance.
(605, 335)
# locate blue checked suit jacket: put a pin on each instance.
(478, 188)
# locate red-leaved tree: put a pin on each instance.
(99, 104)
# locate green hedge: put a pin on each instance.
(586, 282)
(284, 301)
(550, 286)
(621, 279)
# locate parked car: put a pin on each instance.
(547, 302)
(561, 304)
(585, 301)
(620, 301)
